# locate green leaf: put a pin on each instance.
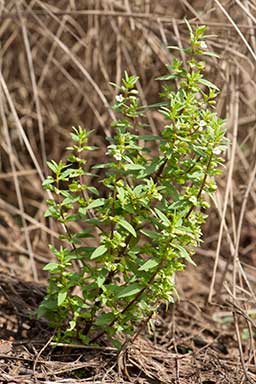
(155, 105)
(208, 84)
(134, 167)
(83, 235)
(121, 193)
(129, 290)
(104, 319)
(183, 253)
(150, 138)
(101, 250)
(150, 264)
(74, 187)
(50, 212)
(100, 280)
(70, 218)
(61, 297)
(93, 190)
(179, 49)
(53, 166)
(117, 344)
(48, 181)
(84, 251)
(162, 217)
(172, 192)
(166, 77)
(128, 227)
(102, 166)
(51, 267)
(70, 200)
(41, 311)
(211, 54)
(151, 234)
(96, 203)
(72, 325)
(114, 85)
(152, 168)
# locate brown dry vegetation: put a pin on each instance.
(56, 61)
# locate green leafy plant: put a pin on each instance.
(144, 216)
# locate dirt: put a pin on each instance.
(190, 342)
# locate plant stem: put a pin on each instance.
(132, 302)
(202, 186)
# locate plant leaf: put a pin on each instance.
(53, 166)
(96, 203)
(134, 167)
(127, 226)
(104, 319)
(51, 267)
(83, 235)
(101, 250)
(49, 180)
(184, 253)
(72, 325)
(162, 217)
(129, 290)
(208, 84)
(150, 264)
(151, 234)
(93, 190)
(61, 297)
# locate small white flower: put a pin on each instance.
(117, 156)
(202, 123)
(203, 44)
(119, 98)
(217, 151)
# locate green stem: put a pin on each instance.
(132, 302)
(201, 188)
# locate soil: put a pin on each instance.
(190, 342)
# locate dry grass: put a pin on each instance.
(57, 59)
